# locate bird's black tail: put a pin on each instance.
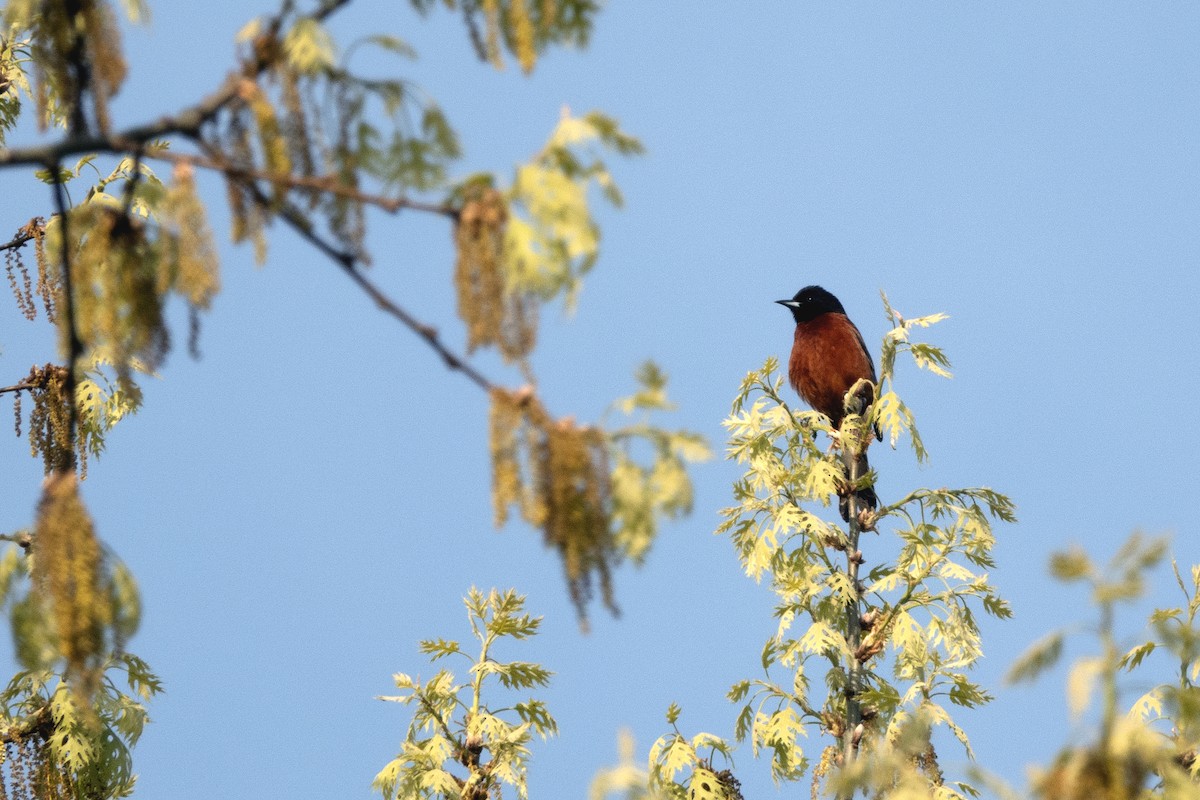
(856, 466)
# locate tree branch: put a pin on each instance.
(854, 670)
(23, 386)
(349, 263)
(187, 121)
(17, 241)
(323, 183)
(74, 343)
(41, 723)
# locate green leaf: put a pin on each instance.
(677, 756)
(1040, 657)
(308, 47)
(63, 175)
(1134, 657)
(537, 714)
(439, 648)
(522, 675)
(393, 44)
(1071, 566)
(931, 358)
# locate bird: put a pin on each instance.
(828, 357)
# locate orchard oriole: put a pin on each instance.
(828, 358)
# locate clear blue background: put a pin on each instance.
(311, 498)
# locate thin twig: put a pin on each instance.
(74, 343)
(349, 263)
(17, 241)
(23, 386)
(188, 122)
(854, 671)
(324, 183)
(22, 539)
(41, 722)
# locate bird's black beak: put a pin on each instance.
(788, 303)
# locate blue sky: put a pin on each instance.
(311, 498)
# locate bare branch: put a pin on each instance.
(74, 343)
(349, 263)
(17, 241)
(23, 386)
(324, 183)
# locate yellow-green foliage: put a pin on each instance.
(674, 753)
(99, 405)
(551, 240)
(644, 493)
(556, 472)
(127, 254)
(905, 628)
(455, 723)
(583, 486)
(1155, 741)
(67, 570)
(189, 260)
(537, 239)
(494, 311)
(522, 27)
(80, 740)
(14, 56)
(60, 33)
(628, 778)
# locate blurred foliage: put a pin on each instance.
(299, 134)
(63, 741)
(533, 242)
(625, 779)
(73, 48)
(583, 485)
(1149, 749)
(453, 725)
(523, 28)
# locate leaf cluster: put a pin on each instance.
(74, 49)
(585, 486)
(72, 714)
(523, 28)
(452, 726)
(1154, 741)
(865, 654)
(675, 753)
(535, 240)
(551, 240)
(71, 751)
(130, 245)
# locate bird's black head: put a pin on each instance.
(811, 302)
